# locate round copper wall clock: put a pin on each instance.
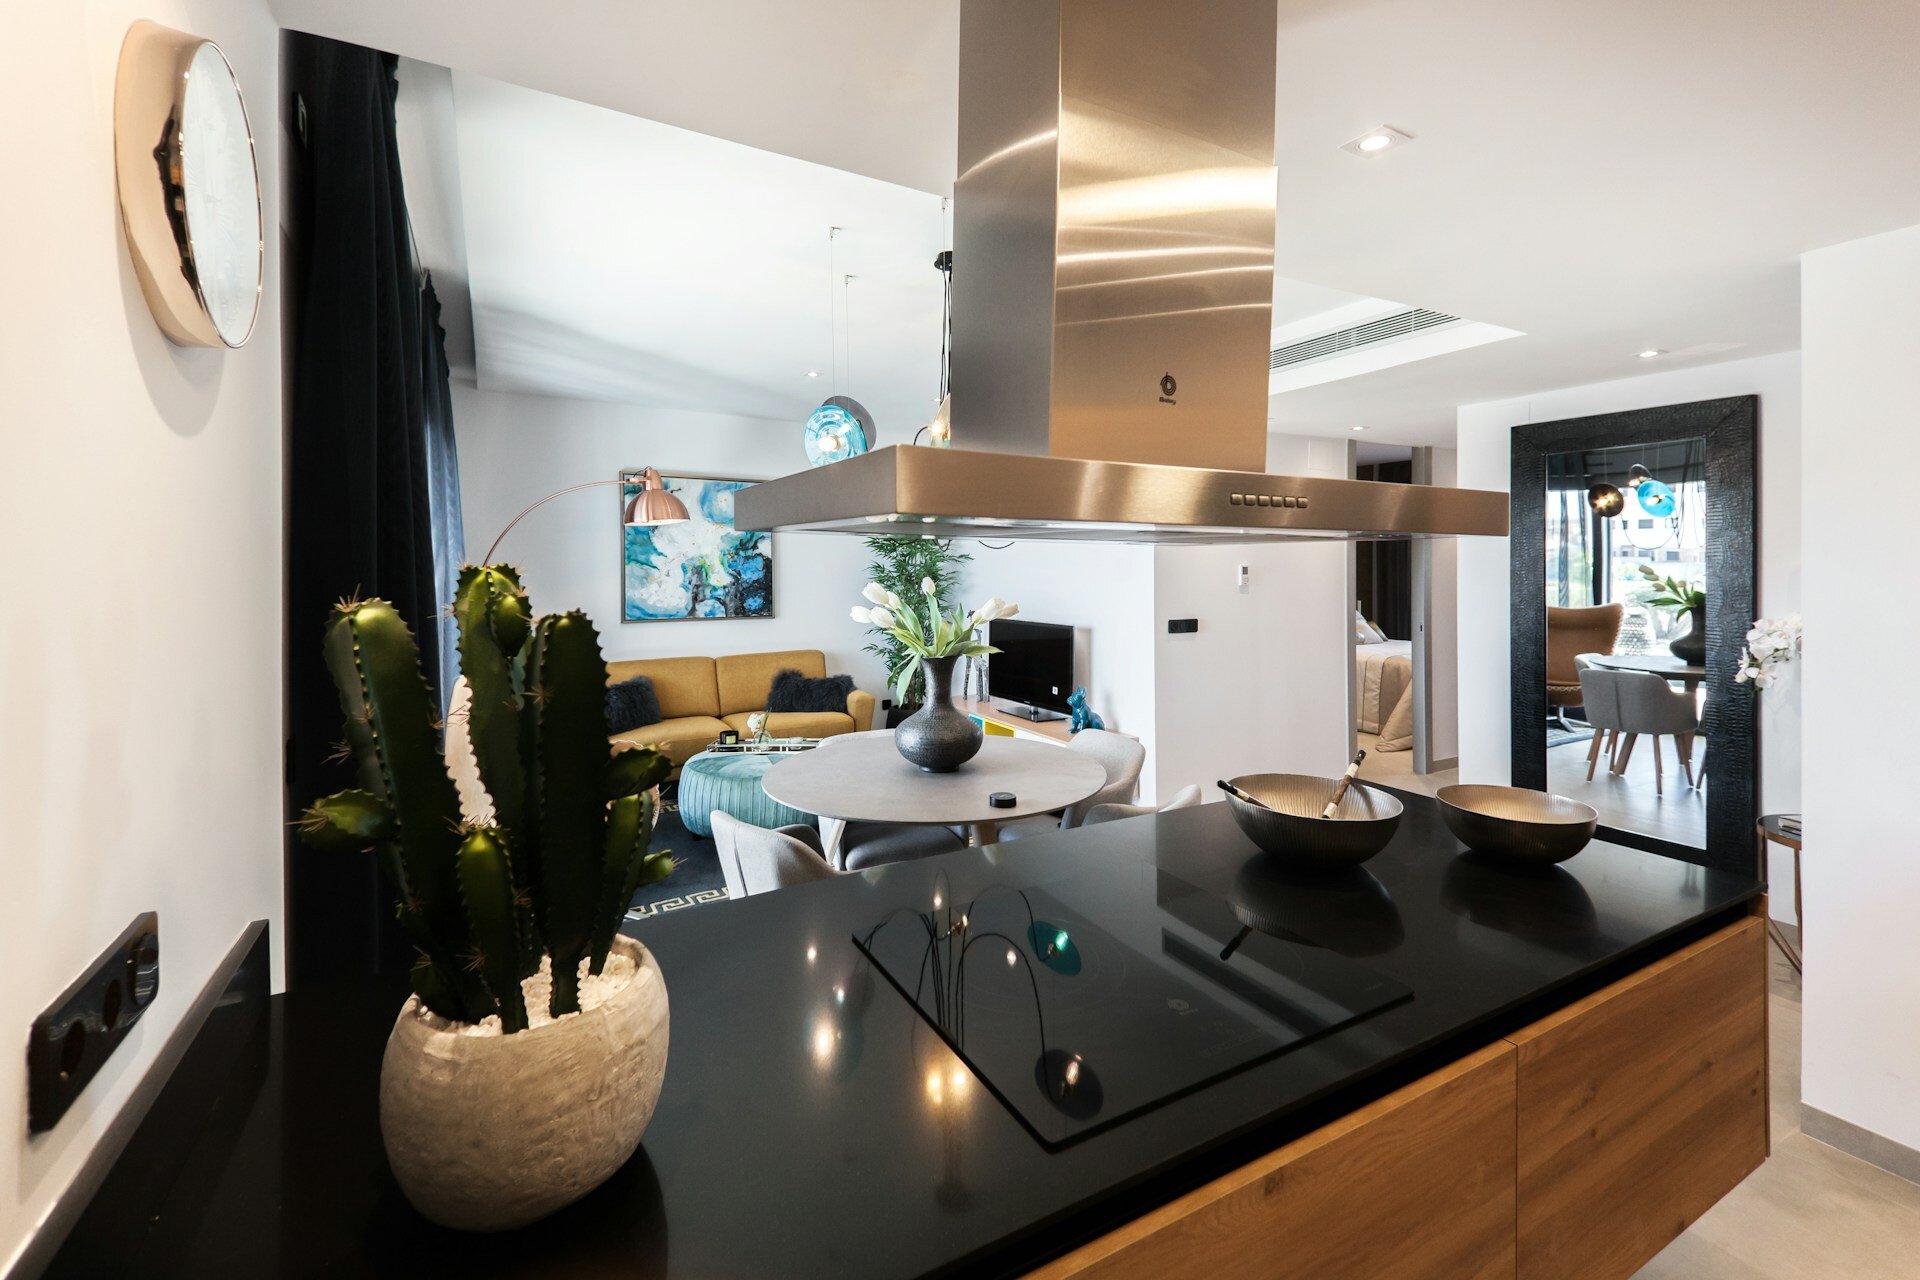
(189, 186)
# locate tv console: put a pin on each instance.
(1008, 723)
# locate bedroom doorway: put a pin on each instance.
(1404, 680)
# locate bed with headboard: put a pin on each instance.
(1383, 681)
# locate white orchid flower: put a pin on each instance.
(876, 593)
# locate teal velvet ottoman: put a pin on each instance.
(730, 782)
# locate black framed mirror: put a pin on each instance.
(1594, 499)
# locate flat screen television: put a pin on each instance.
(1035, 664)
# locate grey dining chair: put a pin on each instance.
(1600, 694)
(756, 860)
(1185, 798)
(853, 846)
(1649, 705)
(1120, 755)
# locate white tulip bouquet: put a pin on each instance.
(1771, 644)
(938, 635)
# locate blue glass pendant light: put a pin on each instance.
(839, 429)
(1655, 498)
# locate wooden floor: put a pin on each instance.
(1629, 801)
(1810, 1212)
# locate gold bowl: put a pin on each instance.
(1513, 822)
(1292, 830)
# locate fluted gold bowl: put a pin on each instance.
(1292, 830)
(1513, 822)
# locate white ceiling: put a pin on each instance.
(614, 258)
(1602, 177)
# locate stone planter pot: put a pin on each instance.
(939, 737)
(490, 1132)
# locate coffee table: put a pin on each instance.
(862, 777)
(730, 781)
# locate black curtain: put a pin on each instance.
(372, 504)
(1383, 571)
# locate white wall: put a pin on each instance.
(1104, 591)
(515, 449)
(1860, 327)
(1261, 687)
(1485, 652)
(142, 513)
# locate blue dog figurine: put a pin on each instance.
(1084, 717)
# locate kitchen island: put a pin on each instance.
(1575, 1071)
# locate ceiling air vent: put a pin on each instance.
(1385, 329)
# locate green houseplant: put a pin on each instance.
(899, 565)
(512, 888)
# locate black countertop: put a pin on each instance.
(777, 1151)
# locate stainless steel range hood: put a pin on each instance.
(1112, 302)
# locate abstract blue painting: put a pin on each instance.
(701, 568)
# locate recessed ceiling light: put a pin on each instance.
(1651, 352)
(1377, 141)
(813, 373)
(1359, 428)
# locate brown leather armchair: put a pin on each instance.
(1571, 632)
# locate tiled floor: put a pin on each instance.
(1810, 1212)
(1629, 801)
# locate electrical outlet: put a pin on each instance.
(70, 1041)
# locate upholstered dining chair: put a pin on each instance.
(756, 860)
(1648, 704)
(1570, 633)
(1121, 756)
(1600, 699)
(1185, 798)
(853, 846)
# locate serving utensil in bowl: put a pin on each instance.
(1513, 822)
(1284, 818)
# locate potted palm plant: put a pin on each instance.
(1689, 598)
(899, 565)
(939, 737)
(525, 1066)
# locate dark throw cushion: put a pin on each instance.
(631, 704)
(792, 691)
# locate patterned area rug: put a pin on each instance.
(1556, 737)
(696, 877)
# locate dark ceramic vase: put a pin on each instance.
(1691, 646)
(939, 737)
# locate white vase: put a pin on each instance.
(489, 1132)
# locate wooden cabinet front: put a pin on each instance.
(1640, 1107)
(1417, 1186)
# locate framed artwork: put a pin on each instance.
(701, 568)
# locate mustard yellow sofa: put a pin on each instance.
(702, 697)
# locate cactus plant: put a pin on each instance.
(552, 868)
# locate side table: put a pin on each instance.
(1771, 831)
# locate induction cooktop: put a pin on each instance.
(1090, 999)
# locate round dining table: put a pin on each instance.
(1664, 665)
(862, 777)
